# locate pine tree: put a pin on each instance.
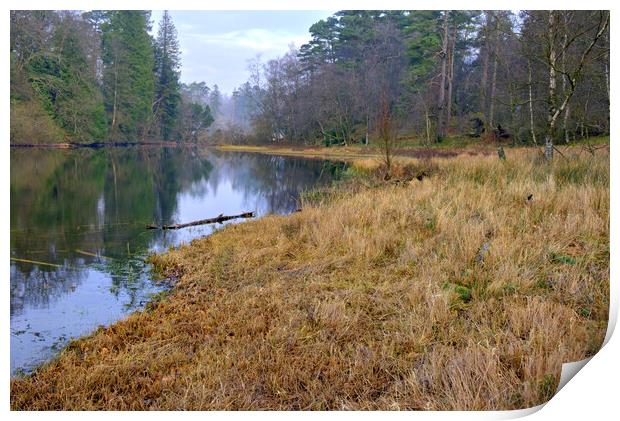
(321, 48)
(128, 82)
(215, 100)
(423, 45)
(167, 72)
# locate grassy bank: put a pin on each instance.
(449, 148)
(462, 283)
(353, 152)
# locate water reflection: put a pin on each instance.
(77, 227)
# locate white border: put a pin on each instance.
(592, 393)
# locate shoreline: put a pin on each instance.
(356, 152)
(97, 145)
(271, 313)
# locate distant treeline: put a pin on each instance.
(531, 76)
(98, 76)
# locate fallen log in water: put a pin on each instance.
(221, 218)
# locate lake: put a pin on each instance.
(78, 218)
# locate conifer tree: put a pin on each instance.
(128, 82)
(167, 72)
(215, 100)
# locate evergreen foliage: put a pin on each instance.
(167, 72)
(128, 81)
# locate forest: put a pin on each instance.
(99, 76)
(530, 77)
(497, 75)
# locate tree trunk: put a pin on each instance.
(218, 219)
(112, 129)
(513, 126)
(450, 79)
(427, 120)
(493, 78)
(564, 76)
(441, 100)
(485, 68)
(607, 83)
(607, 77)
(531, 101)
(551, 116)
(493, 89)
(95, 55)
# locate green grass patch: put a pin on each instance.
(562, 258)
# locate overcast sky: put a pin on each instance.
(216, 45)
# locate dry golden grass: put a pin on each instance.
(453, 292)
(357, 151)
(346, 153)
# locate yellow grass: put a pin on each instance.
(36, 262)
(453, 292)
(353, 152)
(306, 151)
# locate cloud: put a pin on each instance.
(256, 39)
(216, 45)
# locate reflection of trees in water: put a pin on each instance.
(127, 276)
(92, 201)
(36, 288)
(68, 204)
(146, 185)
(274, 180)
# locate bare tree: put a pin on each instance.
(593, 33)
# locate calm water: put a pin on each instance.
(79, 218)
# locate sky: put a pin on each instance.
(216, 45)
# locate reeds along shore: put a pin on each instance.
(466, 289)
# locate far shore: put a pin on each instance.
(357, 151)
(449, 149)
(96, 145)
